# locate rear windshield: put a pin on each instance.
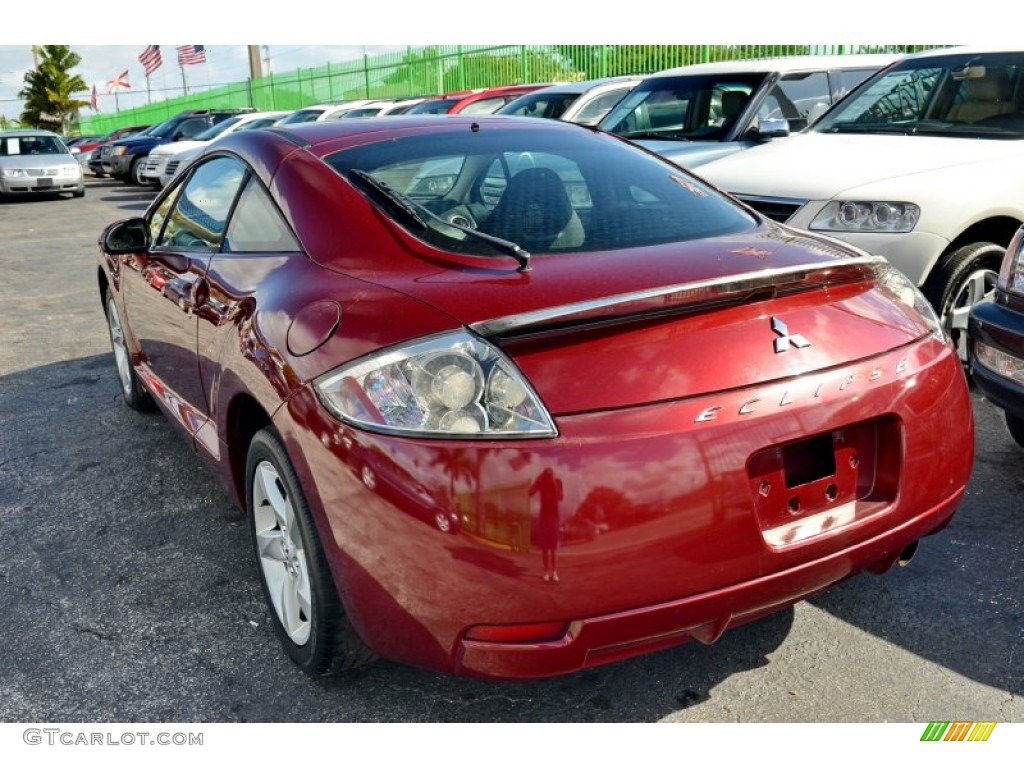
(955, 95)
(548, 191)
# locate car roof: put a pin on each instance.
(585, 86)
(14, 132)
(960, 50)
(786, 64)
(321, 135)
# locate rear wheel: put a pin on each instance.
(964, 278)
(297, 584)
(1016, 426)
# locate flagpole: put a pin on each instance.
(184, 85)
(149, 93)
(117, 103)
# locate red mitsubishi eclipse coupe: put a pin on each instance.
(510, 398)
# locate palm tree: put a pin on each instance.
(49, 87)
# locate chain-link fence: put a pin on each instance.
(441, 69)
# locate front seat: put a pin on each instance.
(535, 213)
(984, 97)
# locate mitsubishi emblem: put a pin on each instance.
(782, 343)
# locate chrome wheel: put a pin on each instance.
(281, 553)
(977, 286)
(124, 371)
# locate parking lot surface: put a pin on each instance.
(129, 593)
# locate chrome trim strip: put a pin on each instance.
(738, 282)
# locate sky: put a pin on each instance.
(332, 32)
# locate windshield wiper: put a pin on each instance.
(415, 212)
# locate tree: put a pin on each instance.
(48, 89)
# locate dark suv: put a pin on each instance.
(123, 159)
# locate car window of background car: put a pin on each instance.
(190, 128)
(257, 226)
(692, 106)
(484, 106)
(592, 112)
(495, 180)
(216, 130)
(433, 107)
(200, 213)
(550, 105)
(896, 96)
(842, 81)
(31, 145)
(794, 97)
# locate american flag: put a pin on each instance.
(191, 54)
(94, 102)
(121, 81)
(151, 59)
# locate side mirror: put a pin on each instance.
(128, 236)
(772, 128)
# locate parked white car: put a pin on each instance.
(923, 165)
(164, 161)
(584, 102)
(319, 112)
(699, 113)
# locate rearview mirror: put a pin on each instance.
(128, 236)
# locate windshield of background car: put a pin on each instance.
(550, 105)
(12, 146)
(686, 107)
(216, 130)
(547, 191)
(162, 129)
(966, 95)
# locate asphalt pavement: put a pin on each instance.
(128, 592)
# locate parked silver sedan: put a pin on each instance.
(37, 162)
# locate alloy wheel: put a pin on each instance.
(281, 552)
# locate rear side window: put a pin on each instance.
(257, 226)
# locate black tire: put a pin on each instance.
(324, 641)
(1016, 426)
(960, 280)
(78, 193)
(132, 389)
(134, 176)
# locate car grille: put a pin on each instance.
(41, 171)
(172, 167)
(776, 208)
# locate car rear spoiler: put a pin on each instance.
(682, 298)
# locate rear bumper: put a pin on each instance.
(603, 639)
(663, 533)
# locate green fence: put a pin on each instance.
(440, 69)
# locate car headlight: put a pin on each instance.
(454, 385)
(118, 151)
(902, 288)
(15, 173)
(1011, 276)
(854, 216)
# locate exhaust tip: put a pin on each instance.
(907, 554)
